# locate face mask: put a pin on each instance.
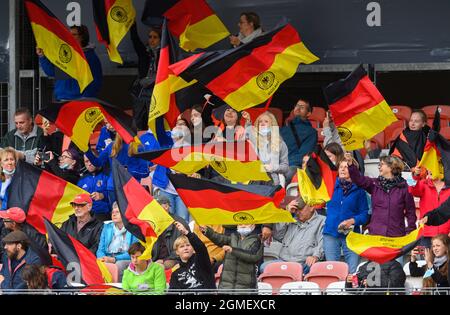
(64, 166)
(196, 121)
(176, 133)
(265, 131)
(9, 173)
(244, 231)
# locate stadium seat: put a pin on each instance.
(278, 273)
(392, 132)
(114, 270)
(278, 113)
(402, 112)
(264, 288)
(318, 115)
(413, 283)
(300, 287)
(325, 272)
(320, 135)
(335, 288)
(445, 132)
(256, 111)
(378, 140)
(444, 110)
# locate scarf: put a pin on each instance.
(416, 140)
(439, 261)
(245, 39)
(118, 243)
(388, 184)
(345, 185)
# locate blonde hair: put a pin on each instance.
(3, 153)
(117, 146)
(274, 136)
(180, 241)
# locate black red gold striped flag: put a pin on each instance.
(77, 120)
(142, 215)
(113, 19)
(358, 108)
(192, 21)
(382, 249)
(211, 202)
(250, 74)
(403, 150)
(316, 182)
(76, 258)
(436, 156)
(41, 195)
(58, 44)
(237, 161)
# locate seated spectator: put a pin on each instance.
(195, 270)
(299, 136)
(95, 182)
(243, 253)
(66, 167)
(107, 135)
(8, 162)
(216, 253)
(347, 210)
(115, 241)
(143, 275)
(43, 277)
(81, 225)
(18, 255)
(163, 251)
(249, 28)
(435, 271)
(301, 241)
(414, 136)
(27, 137)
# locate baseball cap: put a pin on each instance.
(15, 236)
(81, 199)
(15, 214)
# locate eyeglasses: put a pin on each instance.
(65, 157)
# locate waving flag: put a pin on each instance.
(192, 21)
(41, 195)
(237, 161)
(316, 182)
(113, 19)
(250, 74)
(359, 110)
(142, 215)
(436, 156)
(59, 46)
(382, 249)
(70, 251)
(210, 202)
(77, 120)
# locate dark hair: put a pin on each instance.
(335, 149)
(421, 113)
(136, 247)
(83, 32)
(35, 277)
(157, 30)
(253, 18)
(395, 163)
(23, 111)
(310, 108)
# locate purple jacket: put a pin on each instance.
(389, 209)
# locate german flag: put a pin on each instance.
(103, 289)
(236, 161)
(382, 249)
(76, 258)
(402, 149)
(142, 215)
(253, 71)
(436, 156)
(316, 183)
(192, 21)
(77, 120)
(41, 195)
(359, 110)
(113, 19)
(59, 46)
(211, 202)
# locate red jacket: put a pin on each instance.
(429, 200)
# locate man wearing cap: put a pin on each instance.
(18, 255)
(81, 225)
(163, 251)
(65, 167)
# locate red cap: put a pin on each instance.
(14, 214)
(82, 198)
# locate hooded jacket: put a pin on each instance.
(12, 270)
(301, 130)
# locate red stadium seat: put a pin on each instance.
(320, 136)
(278, 113)
(325, 272)
(278, 273)
(94, 139)
(402, 112)
(444, 110)
(392, 132)
(378, 140)
(114, 270)
(256, 111)
(318, 115)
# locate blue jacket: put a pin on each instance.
(342, 207)
(69, 89)
(105, 134)
(106, 238)
(307, 136)
(12, 270)
(4, 200)
(96, 182)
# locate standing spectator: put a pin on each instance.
(347, 209)
(201, 120)
(249, 28)
(107, 135)
(115, 241)
(334, 152)
(65, 167)
(432, 194)
(43, 277)
(299, 136)
(216, 253)
(231, 129)
(95, 182)
(8, 161)
(391, 201)
(69, 89)
(27, 137)
(195, 271)
(18, 255)
(81, 225)
(143, 275)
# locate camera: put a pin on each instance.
(43, 156)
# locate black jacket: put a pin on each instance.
(440, 279)
(197, 272)
(439, 215)
(169, 236)
(71, 176)
(89, 235)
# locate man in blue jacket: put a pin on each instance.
(68, 89)
(299, 136)
(18, 255)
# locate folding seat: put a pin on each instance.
(444, 111)
(445, 132)
(278, 273)
(392, 132)
(325, 272)
(278, 113)
(300, 288)
(402, 112)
